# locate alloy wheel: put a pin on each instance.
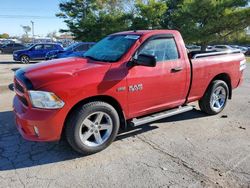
(96, 129)
(25, 59)
(218, 98)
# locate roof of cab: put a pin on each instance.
(144, 32)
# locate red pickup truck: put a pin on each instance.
(127, 79)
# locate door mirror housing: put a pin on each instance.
(145, 60)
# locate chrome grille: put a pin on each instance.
(23, 100)
(20, 92)
(18, 87)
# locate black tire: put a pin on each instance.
(25, 59)
(206, 104)
(74, 126)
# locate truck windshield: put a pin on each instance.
(111, 48)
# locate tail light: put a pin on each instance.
(243, 65)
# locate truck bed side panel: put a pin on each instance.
(207, 68)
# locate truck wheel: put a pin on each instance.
(215, 98)
(92, 127)
(25, 59)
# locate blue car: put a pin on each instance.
(35, 52)
(74, 50)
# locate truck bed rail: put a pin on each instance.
(207, 54)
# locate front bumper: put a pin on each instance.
(37, 124)
(16, 58)
(241, 79)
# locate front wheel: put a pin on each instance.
(92, 127)
(25, 59)
(215, 98)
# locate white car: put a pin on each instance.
(209, 48)
(220, 48)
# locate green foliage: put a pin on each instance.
(199, 21)
(149, 14)
(4, 36)
(206, 21)
(239, 37)
(90, 20)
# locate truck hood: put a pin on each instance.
(48, 72)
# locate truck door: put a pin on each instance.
(160, 87)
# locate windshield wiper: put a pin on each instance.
(91, 57)
(95, 59)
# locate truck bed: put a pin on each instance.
(208, 65)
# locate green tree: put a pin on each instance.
(149, 14)
(4, 35)
(90, 20)
(206, 21)
(239, 37)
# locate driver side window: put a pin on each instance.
(163, 49)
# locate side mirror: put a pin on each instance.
(145, 60)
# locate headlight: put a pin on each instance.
(46, 100)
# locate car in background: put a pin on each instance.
(220, 48)
(241, 48)
(209, 48)
(74, 50)
(11, 47)
(192, 48)
(248, 51)
(35, 52)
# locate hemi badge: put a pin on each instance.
(121, 89)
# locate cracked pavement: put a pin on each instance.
(187, 150)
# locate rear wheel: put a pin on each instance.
(25, 59)
(92, 127)
(215, 98)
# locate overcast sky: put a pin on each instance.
(14, 13)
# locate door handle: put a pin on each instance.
(176, 69)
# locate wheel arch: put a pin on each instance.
(226, 78)
(108, 99)
(24, 55)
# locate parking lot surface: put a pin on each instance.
(187, 150)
